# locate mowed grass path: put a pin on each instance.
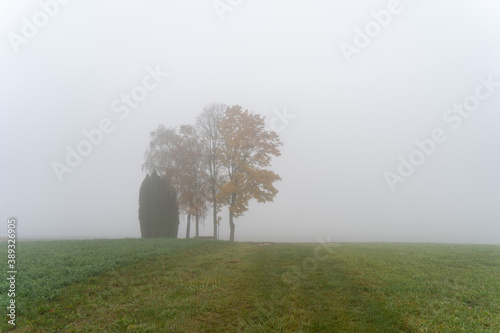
(207, 286)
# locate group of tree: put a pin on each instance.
(158, 212)
(221, 160)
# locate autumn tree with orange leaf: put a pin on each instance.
(246, 151)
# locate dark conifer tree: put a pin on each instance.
(158, 210)
(145, 207)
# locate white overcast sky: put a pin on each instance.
(352, 120)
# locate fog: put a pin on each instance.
(349, 107)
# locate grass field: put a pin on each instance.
(135, 285)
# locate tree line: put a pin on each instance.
(221, 160)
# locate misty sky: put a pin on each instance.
(354, 113)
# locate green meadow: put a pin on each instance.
(175, 285)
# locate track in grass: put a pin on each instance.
(245, 287)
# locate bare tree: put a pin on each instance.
(192, 174)
(208, 123)
(159, 156)
(178, 157)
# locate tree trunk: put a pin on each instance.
(215, 214)
(231, 226)
(197, 226)
(188, 228)
(232, 204)
(231, 215)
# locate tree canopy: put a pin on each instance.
(223, 160)
(246, 150)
